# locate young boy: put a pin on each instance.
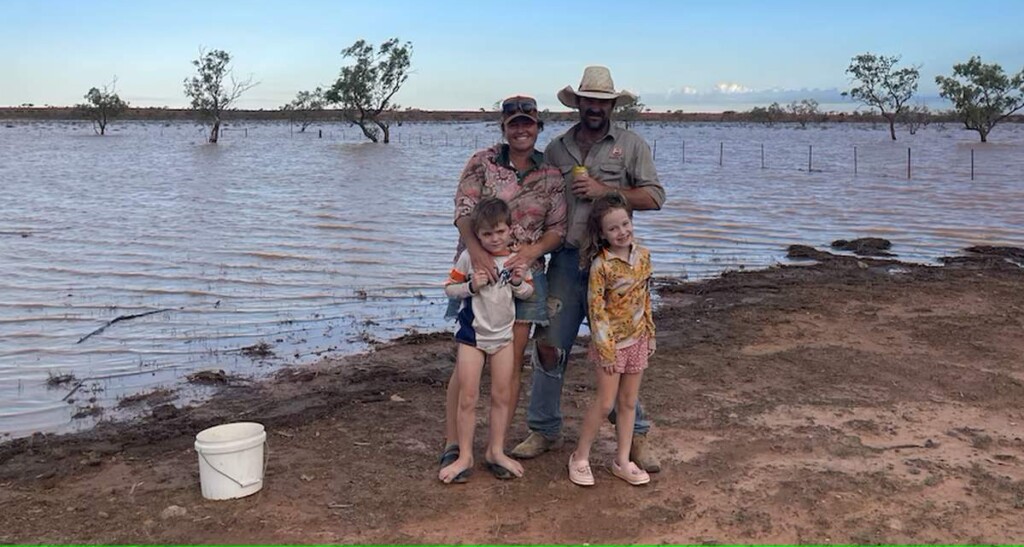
(485, 329)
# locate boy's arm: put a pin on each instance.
(460, 283)
(524, 289)
(458, 290)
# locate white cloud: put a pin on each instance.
(731, 88)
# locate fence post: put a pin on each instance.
(654, 154)
(762, 155)
(908, 163)
(684, 151)
(721, 151)
(972, 164)
(810, 153)
(855, 161)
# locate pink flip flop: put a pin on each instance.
(631, 474)
(580, 472)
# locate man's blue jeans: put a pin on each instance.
(567, 307)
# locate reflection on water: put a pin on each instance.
(317, 246)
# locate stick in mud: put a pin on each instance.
(74, 389)
(119, 318)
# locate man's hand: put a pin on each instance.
(587, 187)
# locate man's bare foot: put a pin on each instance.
(450, 472)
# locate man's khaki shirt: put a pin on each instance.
(621, 159)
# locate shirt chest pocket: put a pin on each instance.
(566, 172)
(613, 174)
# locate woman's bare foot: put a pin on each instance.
(448, 473)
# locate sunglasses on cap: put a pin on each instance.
(519, 104)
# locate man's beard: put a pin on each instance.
(594, 125)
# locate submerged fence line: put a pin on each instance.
(855, 168)
(475, 142)
(762, 154)
(762, 159)
(727, 157)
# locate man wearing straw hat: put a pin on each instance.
(595, 157)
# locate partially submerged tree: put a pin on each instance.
(364, 90)
(982, 94)
(102, 106)
(768, 116)
(915, 117)
(803, 111)
(211, 95)
(301, 109)
(759, 114)
(882, 85)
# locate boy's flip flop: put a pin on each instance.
(500, 472)
(448, 457)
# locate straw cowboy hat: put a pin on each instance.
(596, 84)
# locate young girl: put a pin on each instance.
(622, 332)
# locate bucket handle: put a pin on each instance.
(243, 484)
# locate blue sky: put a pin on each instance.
(693, 55)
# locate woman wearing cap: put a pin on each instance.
(515, 172)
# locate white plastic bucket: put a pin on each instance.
(231, 460)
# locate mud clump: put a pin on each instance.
(208, 377)
(807, 252)
(865, 246)
(151, 398)
(1013, 253)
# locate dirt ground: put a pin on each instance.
(849, 401)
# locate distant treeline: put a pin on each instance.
(416, 115)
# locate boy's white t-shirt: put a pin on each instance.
(494, 308)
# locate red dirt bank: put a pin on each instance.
(854, 401)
